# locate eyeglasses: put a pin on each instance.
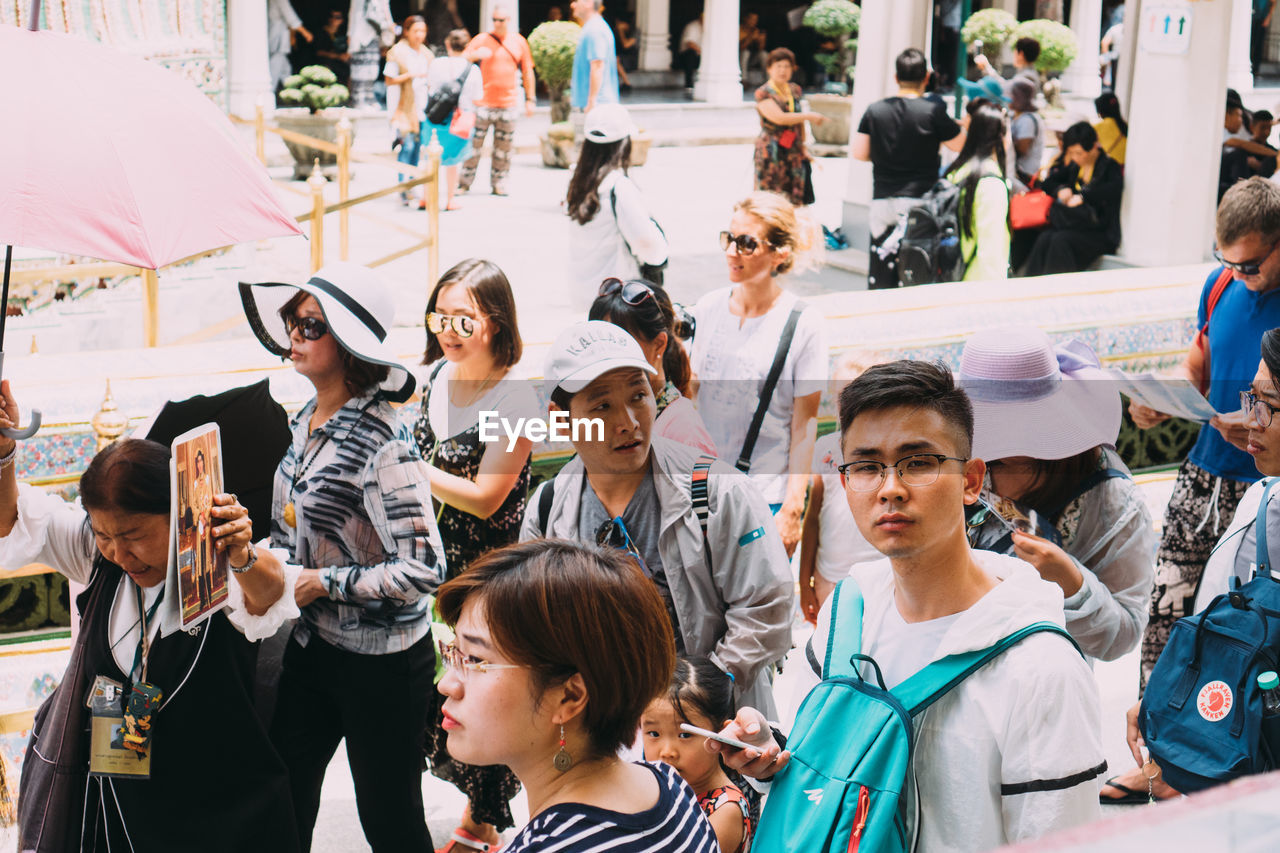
(454, 659)
(920, 469)
(1246, 268)
(463, 327)
(312, 328)
(1260, 409)
(744, 244)
(633, 292)
(614, 534)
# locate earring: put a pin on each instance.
(774, 272)
(563, 761)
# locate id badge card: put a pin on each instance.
(108, 755)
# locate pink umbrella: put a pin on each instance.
(113, 157)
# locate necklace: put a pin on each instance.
(291, 514)
(477, 395)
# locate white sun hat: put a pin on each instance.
(1032, 399)
(608, 123)
(359, 310)
(590, 349)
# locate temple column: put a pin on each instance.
(1239, 69)
(652, 19)
(719, 79)
(1082, 78)
(248, 75)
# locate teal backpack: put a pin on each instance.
(845, 786)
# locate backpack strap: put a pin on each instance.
(546, 492)
(698, 491)
(503, 45)
(938, 678)
(770, 383)
(843, 644)
(1096, 478)
(1260, 531)
(1219, 286)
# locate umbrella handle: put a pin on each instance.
(29, 430)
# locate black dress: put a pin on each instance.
(1077, 236)
(466, 537)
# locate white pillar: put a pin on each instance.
(719, 79)
(1175, 119)
(1082, 77)
(1128, 53)
(1239, 70)
(888, 27)
(655, 42)
(248, 75)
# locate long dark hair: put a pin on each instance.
(645, 322)
(596, 160)
(489, 289)
(984, 139)
(1271, 355)
(1056, 479)
(1108, 106)
(700, 686)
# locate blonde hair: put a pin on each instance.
(784, 228)
(849, 365)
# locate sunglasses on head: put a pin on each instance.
(312, 328)
(633, 292)
(463, 327)
(744, 244)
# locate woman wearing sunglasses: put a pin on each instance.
(613, 233)
(741, 331)
(352, 506)
(646, 313)
(473, 341)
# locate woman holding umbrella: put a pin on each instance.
(352, 505)
(183, 696)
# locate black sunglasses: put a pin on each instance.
(1246, 268)
(312, 328)
(744, 244)
(633, 292)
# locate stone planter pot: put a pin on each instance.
(836, 109)
(322, 125)
(560, 148)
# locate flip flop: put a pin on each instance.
(462, 842)
(1130, 798)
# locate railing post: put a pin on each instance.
(434, 152)
(260, 133)
(150, 306)
(344, 184)
(317, 182)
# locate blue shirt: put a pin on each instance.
(596, 42)
(1235, 348)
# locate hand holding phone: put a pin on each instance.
(716, 736)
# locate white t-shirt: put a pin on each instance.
(446, 68)
(840, 542)
(419, 63)
(692, 32)
(731, 358)
(512, 398)
(1242, 133)
(599, 249)
(903, 648)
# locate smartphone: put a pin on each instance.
(716, 736)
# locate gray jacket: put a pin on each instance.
(735, 608)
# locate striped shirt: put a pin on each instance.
(362, 505)
(674, 825)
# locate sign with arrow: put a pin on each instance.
(1165, 28)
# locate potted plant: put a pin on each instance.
(553, 45)
(993, 28)
(1058, 49)
(312, 98)
(836, 20)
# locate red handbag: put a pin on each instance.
(1029, 209)
(463, 124)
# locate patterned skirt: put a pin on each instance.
(780, 170)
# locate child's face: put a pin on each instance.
(664, 741)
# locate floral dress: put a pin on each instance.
(780, 151)
(466, 537)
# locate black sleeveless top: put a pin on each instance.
(216, 782)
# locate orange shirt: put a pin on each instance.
(498, 72)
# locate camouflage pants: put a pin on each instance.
(503, 123)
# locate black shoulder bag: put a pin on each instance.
(770, 383)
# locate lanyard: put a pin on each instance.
(791, 100)
(143, 643)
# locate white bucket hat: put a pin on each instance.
(587, 350)
(1032, 399)
(358, 309)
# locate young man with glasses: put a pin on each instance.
(1012, 752)
(1239, 302)
(718, 563)
(503, 54)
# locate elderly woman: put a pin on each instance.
(203, 747)
(559, 649)
(353, 506)
(782, 163)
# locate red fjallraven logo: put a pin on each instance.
(1214, 701)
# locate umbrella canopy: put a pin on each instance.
(113, 157)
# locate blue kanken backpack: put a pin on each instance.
(1201, 714)
(844, 788)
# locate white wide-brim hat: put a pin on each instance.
(359, 310)
(1033, 399)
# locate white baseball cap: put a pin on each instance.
(585, 351)
(608, 123)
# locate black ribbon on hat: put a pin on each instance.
(344, 299)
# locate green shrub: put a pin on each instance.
(992, 27)
(1058, 45)
(314, 87)
(553, 44)
(836, 19)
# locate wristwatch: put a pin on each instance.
(253, 558)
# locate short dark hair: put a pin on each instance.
(1029, 48)
(457, 40)
(562, 607)
(131, 475)
(1249, 207)
(921, 384)
(911, 66)
(1081, 133)
(358, 375)
(780, 54)
(488, 286)
(1261, 115)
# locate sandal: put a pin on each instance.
(1130, 798)
(462, 841)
